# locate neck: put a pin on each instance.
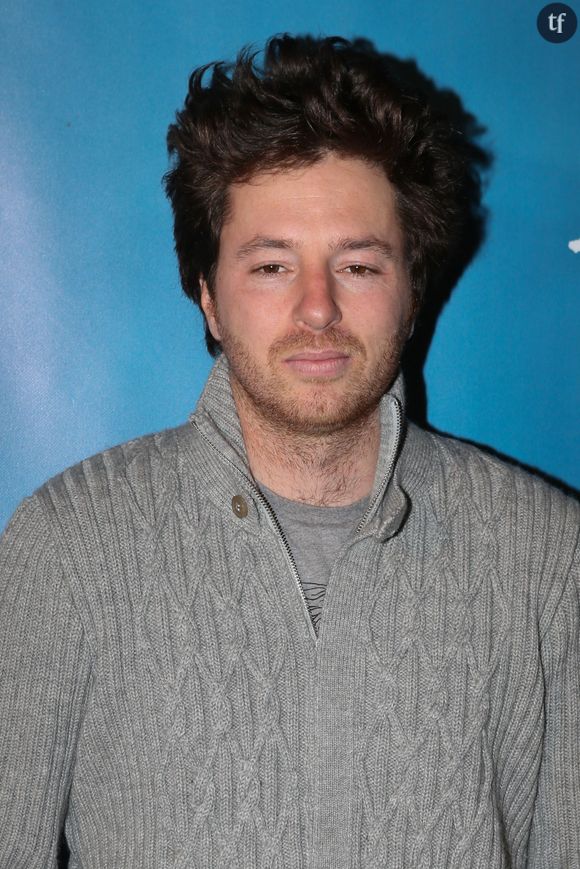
(331, 470)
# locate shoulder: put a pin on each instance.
(446, 465)
(93, 519)
(481, 502)
(139, 470)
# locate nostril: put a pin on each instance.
(318, 309)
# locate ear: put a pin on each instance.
(208, 307)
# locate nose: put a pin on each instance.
(316, 306)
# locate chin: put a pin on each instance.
(312, 406)
(319, 414)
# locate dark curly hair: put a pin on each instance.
(309, 98)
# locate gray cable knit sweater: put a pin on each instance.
(163, 694)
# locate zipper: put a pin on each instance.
(291, 561)
(274, 522)
(389, 471)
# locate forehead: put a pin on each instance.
(343, 195)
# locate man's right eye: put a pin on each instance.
(270, 269)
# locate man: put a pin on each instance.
(296, 631)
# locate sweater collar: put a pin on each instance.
(217, 419)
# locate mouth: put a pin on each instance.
(318, 363)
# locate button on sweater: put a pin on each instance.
(166, 702)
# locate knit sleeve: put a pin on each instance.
(555, 835)
(44, 674)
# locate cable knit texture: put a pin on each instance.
(163, 695)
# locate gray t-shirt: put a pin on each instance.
(315, 536)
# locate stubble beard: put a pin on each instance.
(311, 408)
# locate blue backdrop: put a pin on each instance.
(97, 344)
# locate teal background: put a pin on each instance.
(97, 344)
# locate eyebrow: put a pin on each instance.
(371, 242)
(261, 242)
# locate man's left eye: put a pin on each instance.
(359, 270)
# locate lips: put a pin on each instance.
(316, 355)
(318, 363)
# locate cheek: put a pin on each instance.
(378, 318)
(396, 308)
(251, 321)
(259, 315)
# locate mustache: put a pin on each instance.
(333, 339)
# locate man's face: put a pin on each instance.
(312, 302)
